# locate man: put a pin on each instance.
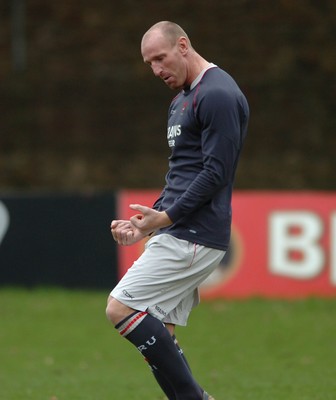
(190, 222)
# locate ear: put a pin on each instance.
(183, 45)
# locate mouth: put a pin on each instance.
(170, 81)
(167, 79)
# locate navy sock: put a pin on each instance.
(155, 343)
(181, 352)
(163, 382)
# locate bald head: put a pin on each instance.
(168, 30)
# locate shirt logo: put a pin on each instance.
(173, 132)
(184, 107)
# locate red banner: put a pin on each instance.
(283, 245)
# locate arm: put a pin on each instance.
(218, 117)
(157, 203)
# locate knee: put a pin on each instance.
(111, 309)
(116, 311)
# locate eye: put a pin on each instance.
(160, 57)
(154, 61)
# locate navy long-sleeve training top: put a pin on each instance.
(206, 128)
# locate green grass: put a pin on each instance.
(57, 345)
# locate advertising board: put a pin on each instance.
(57, 240)
(283, 245)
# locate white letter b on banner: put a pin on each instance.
(294, 248)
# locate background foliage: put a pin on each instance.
(86, 113)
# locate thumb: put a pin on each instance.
(138, 207)
(136, 219)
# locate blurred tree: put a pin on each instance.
(18, 35)
(86, 113)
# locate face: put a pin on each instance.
(167, 61)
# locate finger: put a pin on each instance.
(118, 236)
(115, 235)
(129, 237)
(121, 226)
(118, 222)
(124, 225)
(114, 224)
(126, 237)
(136, 220)
(118, 230)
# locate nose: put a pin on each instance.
(157, 70)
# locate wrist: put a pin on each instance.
(166, 221)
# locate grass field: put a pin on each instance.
(57, 345)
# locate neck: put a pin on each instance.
(196, 66)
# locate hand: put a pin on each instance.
(125, 233)
(149, 220)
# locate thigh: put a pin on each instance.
(166, 276)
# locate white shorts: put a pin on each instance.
(164, 280)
